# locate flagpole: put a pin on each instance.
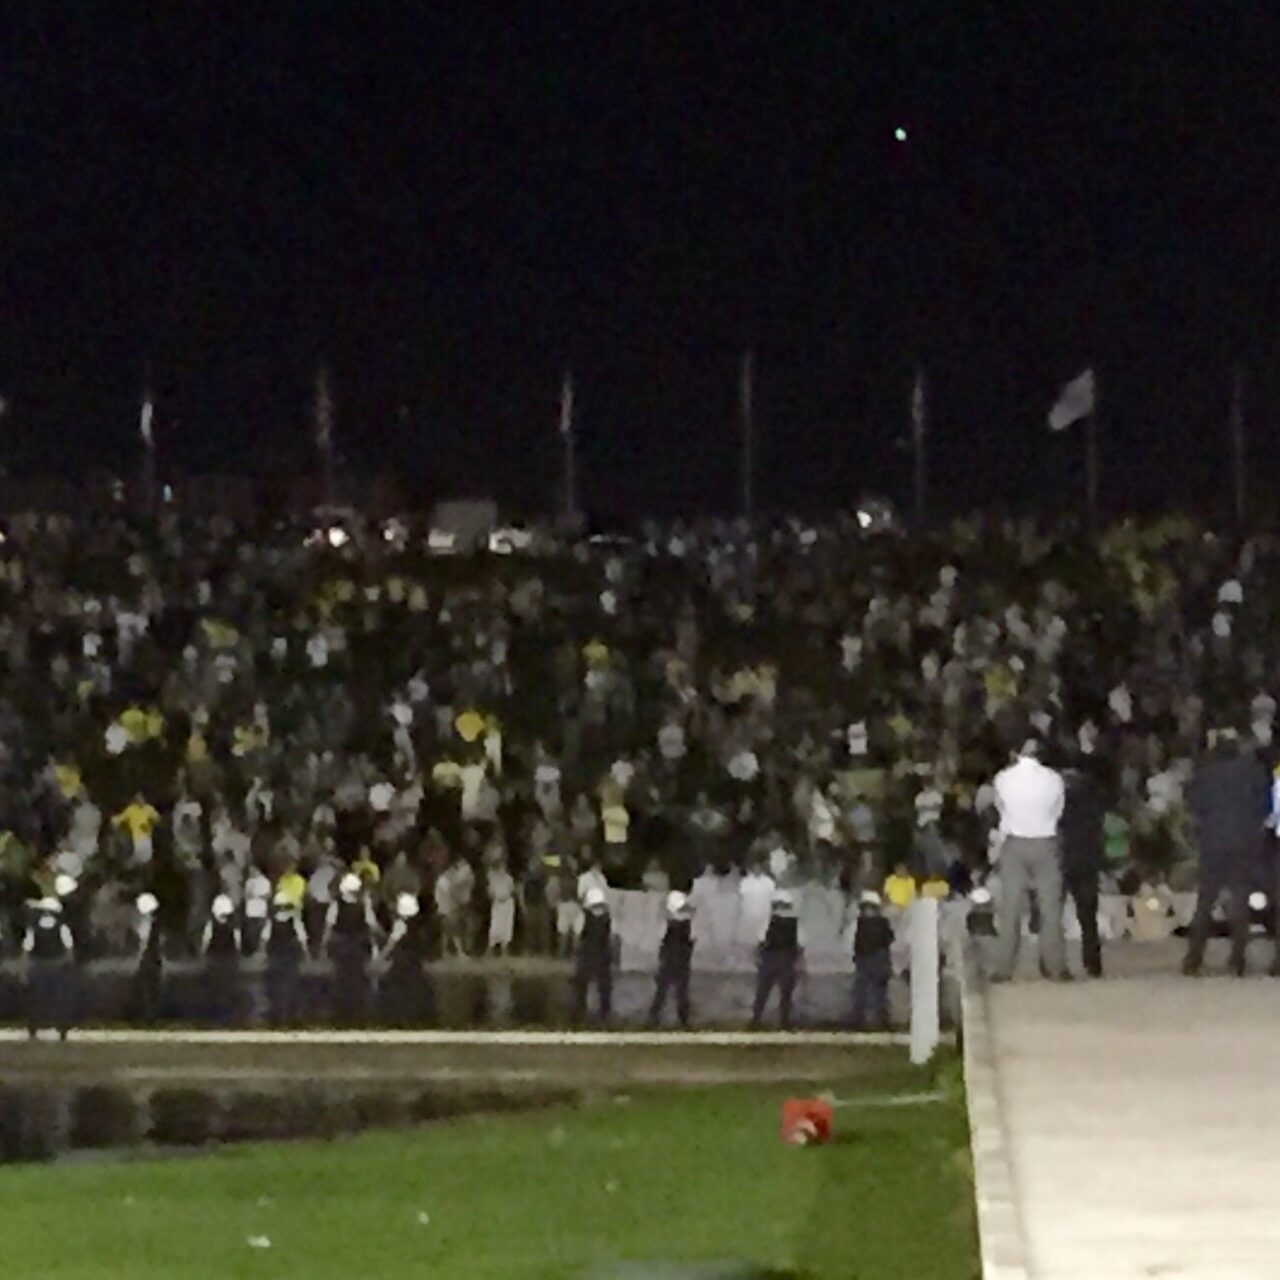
(1237, 444)
(918, 427)
(748, 435)
(146, 428)
(324, 433)
(566, 434)
(1091, 462)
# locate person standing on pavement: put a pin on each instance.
(1083, 857)
(595, 957)
(675, 959)
(872, 943)
(50, 951)
(1030, 798)
(1229, 798)
(779, 960)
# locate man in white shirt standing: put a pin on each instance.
(1030, 799)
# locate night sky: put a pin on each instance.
(448, 203)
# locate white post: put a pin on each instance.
(923, 932)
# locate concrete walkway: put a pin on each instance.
(1129, 1128)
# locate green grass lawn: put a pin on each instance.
(681, 1175)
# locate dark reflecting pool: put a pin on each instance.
(40, 1124)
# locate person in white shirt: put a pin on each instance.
(1030, 798)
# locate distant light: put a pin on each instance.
(864, 519)
(900, 134)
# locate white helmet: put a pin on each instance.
(147, 904)
(980, 897)
(869, 898)
(349, 885)
(677, 901)
(407, 906)
(594, 897)
(222, 906)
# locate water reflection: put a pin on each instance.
(41, 1124)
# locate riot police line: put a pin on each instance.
(378, 975)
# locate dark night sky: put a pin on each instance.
(448, 202)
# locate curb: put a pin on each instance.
(1001, 1236)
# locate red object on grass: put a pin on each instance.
(806, 1120)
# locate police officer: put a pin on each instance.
(349, 940)
(50, 951)
(1229, 798)
(403, 995)
(285, 943)
(872, 945)
(675, 958)
(148, 977)
(595, 956)
(779, 958)
(220, 947)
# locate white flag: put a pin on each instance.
(1075, 402)
(566, 406)
(148, 412)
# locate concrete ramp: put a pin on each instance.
(1129, 1128)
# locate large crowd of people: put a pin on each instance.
(209, 713)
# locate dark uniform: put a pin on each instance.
(51, 974)
(1081, 849)
(1229, 798)
(872, 969)
(222, 970)
(285, 948)
(675, 959)
(779, 963)
(350, 945)
(148, 977)
(404, 998)
(594, 964)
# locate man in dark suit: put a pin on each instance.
(1229, 798)
(1083, 856)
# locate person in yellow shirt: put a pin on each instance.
(68, 779)
(470, 725)
(139, 819)
(935, 887)
(133, 720)
(900, 887)
(291, 888)
(365, 867)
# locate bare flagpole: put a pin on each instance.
(919, 425)
(748, 434)
(146, 429)
(1091, 461)
(324, 432)
(566, 434)
(1237, 444)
